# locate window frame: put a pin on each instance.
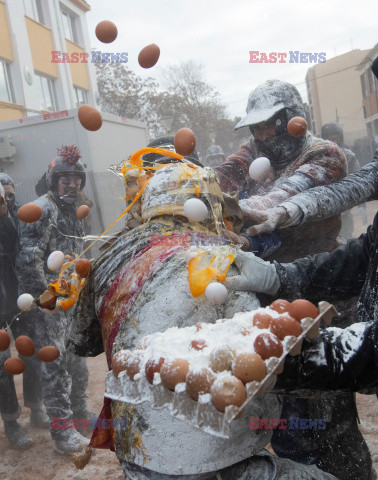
(8, 82)
(85, 95)
(51, 90)
(72, 26)
(37, 14)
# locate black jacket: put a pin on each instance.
(338, 359)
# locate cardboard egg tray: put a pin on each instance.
(203, 414)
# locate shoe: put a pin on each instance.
(16, 436)
(68, 442)
(87, 415)
(39, 418)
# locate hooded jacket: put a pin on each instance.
(338, 359)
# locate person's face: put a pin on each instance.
(9, 193)
(335, 138)
(214, 161)
(69, 186)
(264, 130)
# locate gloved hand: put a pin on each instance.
(256, 275)
(266, 220)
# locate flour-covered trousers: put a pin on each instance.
(64, 381)
(9, 407)
(263, 466)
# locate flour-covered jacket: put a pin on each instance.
(8, 279)
(338, 359)
(320, 163)
(58, 229)
(140, 286)
(323, 202)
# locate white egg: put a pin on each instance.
(55, 260)
(25, 301)
(195, 209)
(216, 293)
(259, 168)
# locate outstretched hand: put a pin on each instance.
(256, 275)
(266, 220)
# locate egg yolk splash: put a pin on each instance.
(199, 278)
(69, 285)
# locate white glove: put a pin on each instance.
(256, 275)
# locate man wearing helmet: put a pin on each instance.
(65, 380)
(298, 163)
(139, 286)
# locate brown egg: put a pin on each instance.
(228, 391)
(133, 365)
(268, 345)
(248, 367)
(48, 354)
(199, 344)
(303, 308)
(25, 346)
(83, 268)
(29, 213)
(143, 343)
(185, 141)
(174, 372)
(106, 31)
(199, 382)
(4, 340)
(280, 306)
(119, 361)
(221, 358)
(297, 126)
(149, 56)
(14, 366)
(285, 325)
(89, 117)
(262, 320)
(82, 212)
(245, 332)
(153, 366)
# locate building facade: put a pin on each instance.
(30, 81)
(369, 86)
(334, 94)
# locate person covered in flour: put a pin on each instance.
(140, 286)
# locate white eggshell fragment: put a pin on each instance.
(259, 168)
(195, 209)
(216, 293)
(25, 301)
(55, 260)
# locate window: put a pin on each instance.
(365, 90)
(69, 25)
(6, 89)
(33, 9)
(45, 93)
(373, 85)
(81, 96)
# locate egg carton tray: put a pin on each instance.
(202, 413)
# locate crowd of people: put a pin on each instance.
(298, 210)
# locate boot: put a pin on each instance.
(68, 442)
(16, 436)
(39, 418)
(84, 413)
